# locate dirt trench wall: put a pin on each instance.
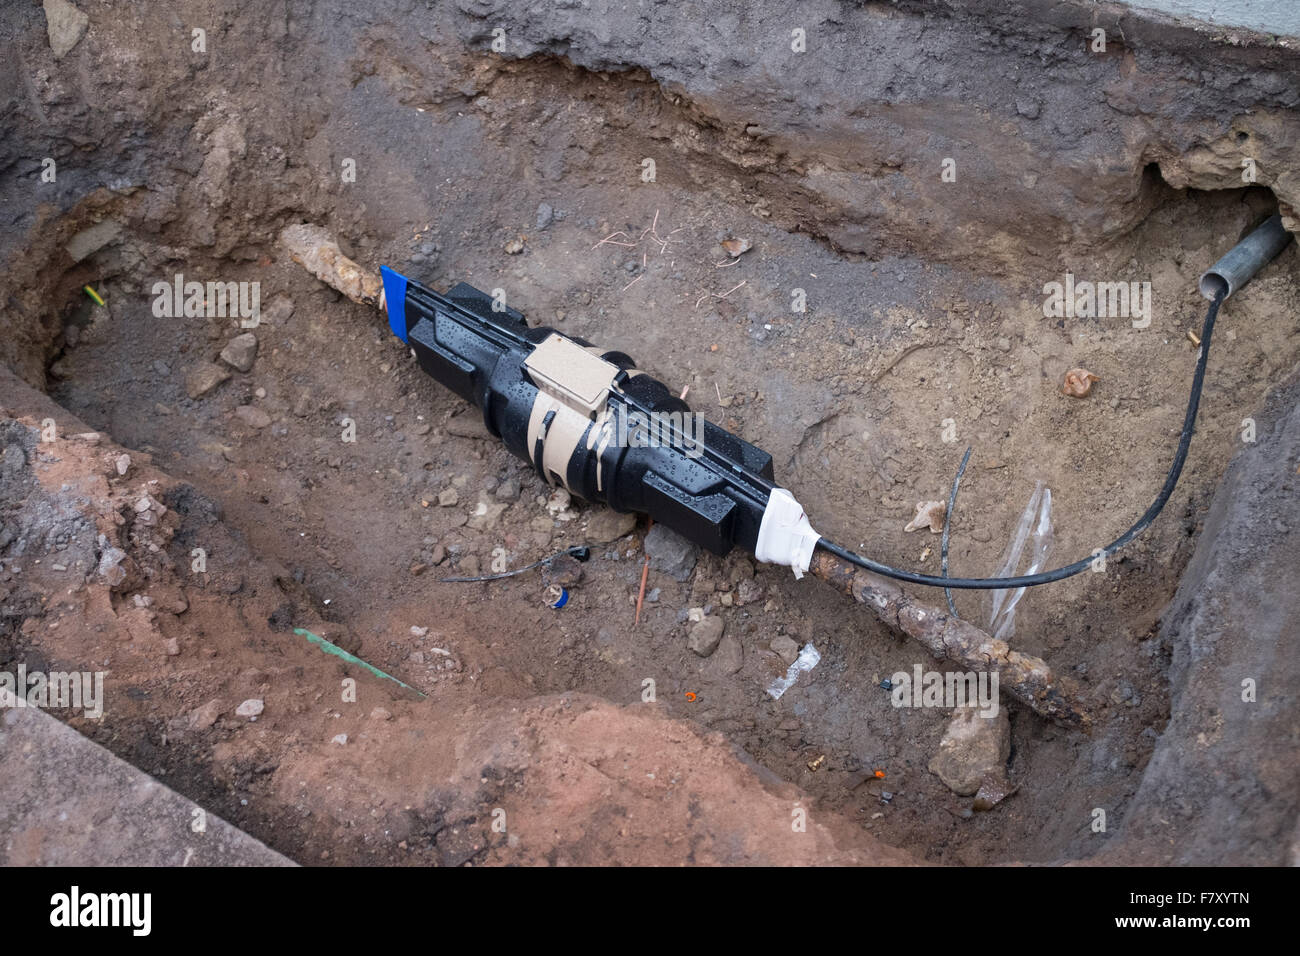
(1051, 141)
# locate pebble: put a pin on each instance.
(205, 716)
(785, 648)
(252, 707)
(448, 497)
(240, 352)
(606, 525)
(122, 463)
(670, 553)
(252, 416)
(204, 379)
(545, 213)
(340, 739)
(706, 635)
(508, 490)
(730, 655)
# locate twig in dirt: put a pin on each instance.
(633, 282)
(947, 517)
(610, 239)
(645, 573)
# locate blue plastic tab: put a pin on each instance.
(395, 300)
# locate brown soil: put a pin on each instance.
(539, 712)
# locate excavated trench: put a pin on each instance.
(417, 145)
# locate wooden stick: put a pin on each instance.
(1026, 678)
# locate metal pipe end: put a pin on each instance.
(1211, 284)
(1245, 259)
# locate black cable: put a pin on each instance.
(579, 551)
(947, 517)
(1047, 577)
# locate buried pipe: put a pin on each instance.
(556, 402)
(1245, 259)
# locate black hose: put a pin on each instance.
(1047, 577)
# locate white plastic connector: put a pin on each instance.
(785, 536)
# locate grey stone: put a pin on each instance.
(670, 553)
(252, 416)
(508, 490)
(729, 657)
(606, 525)
(204, 379)
(240, 352)
(785, 648)
(89, 241)
(974, 748)
(66, 25)
(705, 636)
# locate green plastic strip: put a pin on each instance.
(339, 652)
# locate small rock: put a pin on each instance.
(973, 749)
(240, 352)
(747, 592)
(1027, 107)
(545, 213)
(66, 25)
(252, 707)
(705, 636)
(122, 463)
(448, 497)
(207, 715)
(204, 379)
(469, 425)
(670, 553)
(929, 514)
(487, 515)
(340, 739)
(379, 713)
(606, 525)
(418, 631)
(514, 247)
(173, 647)
(785, 648)
(277, 311)
(252, 416)
(508, 490)
(564, 570)
(730, 655)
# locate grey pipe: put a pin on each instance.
(1246, 258)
